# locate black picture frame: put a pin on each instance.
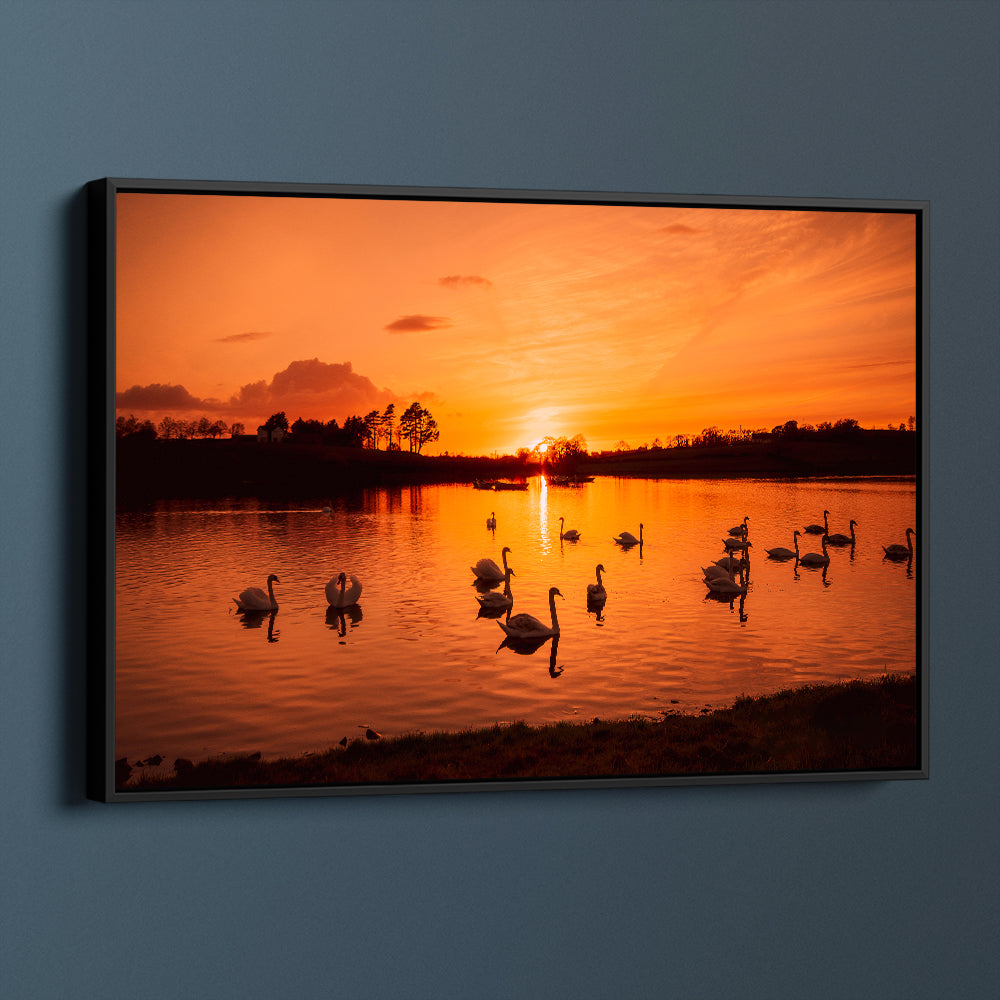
(105, 773)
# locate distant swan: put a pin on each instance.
(528, 627)
(596, 591)
(842, 539)
(814, 558)
(819, 529)
(571, 536)
(781, 553)
(489, 571)
(254, 599)
(343, 598)
(900, 551)
(740, 529)
(626, 538)
(491, 521)
(498, 602)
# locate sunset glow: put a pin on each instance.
(513, 322)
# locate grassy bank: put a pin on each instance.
(857, 725)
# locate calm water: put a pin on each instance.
(196, 678)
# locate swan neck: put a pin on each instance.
(552, 611)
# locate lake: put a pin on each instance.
(195, 678)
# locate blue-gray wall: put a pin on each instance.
(823, 891)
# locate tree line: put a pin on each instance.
(412, 429)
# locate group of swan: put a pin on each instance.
(338, 595)
(528, 627)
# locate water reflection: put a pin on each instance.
(417, 664)
(255, 619)
(337, 618)
(528, 647)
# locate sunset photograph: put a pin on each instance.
(460, 488)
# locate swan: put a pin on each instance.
(488, 570)
(740, 529)
(782, 553)
(596, 591)
(528, 627)
(819, 529)
(626, 538)
(491, 521)
(814, 558)
(254, 599)
(842, 539)
(726, 585)
(901, 551)
(731, 565)
(342, 598)
(735, 544)
(571, 536)
(498, 602)
(715, 572)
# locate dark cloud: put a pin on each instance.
(162, 397)
(417, 323)
(310, 389)
(240, 338)
(313, 388)
(458, 280)
(679, 227)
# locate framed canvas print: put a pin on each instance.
(422, 490)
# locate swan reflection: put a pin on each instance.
(527, 647)
(255, 619)
(337, 618)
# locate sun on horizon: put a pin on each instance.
(511, 322)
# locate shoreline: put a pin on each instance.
(822, 728)
(204, 469)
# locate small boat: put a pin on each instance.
(482, 484)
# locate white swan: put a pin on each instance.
(498, 602)
(814, 558)
(491, 521)
(740, 529)
(254, 599)
(528, 627)
(626, 538)
(782, 553)
(819, 529)
(488, 571)
(901, 551)
(571, 536)
(842, 539)
(342, 597)
(596, 591)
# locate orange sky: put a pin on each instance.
(514, 321)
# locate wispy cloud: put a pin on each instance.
(463, 280)
(679, 227)
(417, 323)
(242, 338)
